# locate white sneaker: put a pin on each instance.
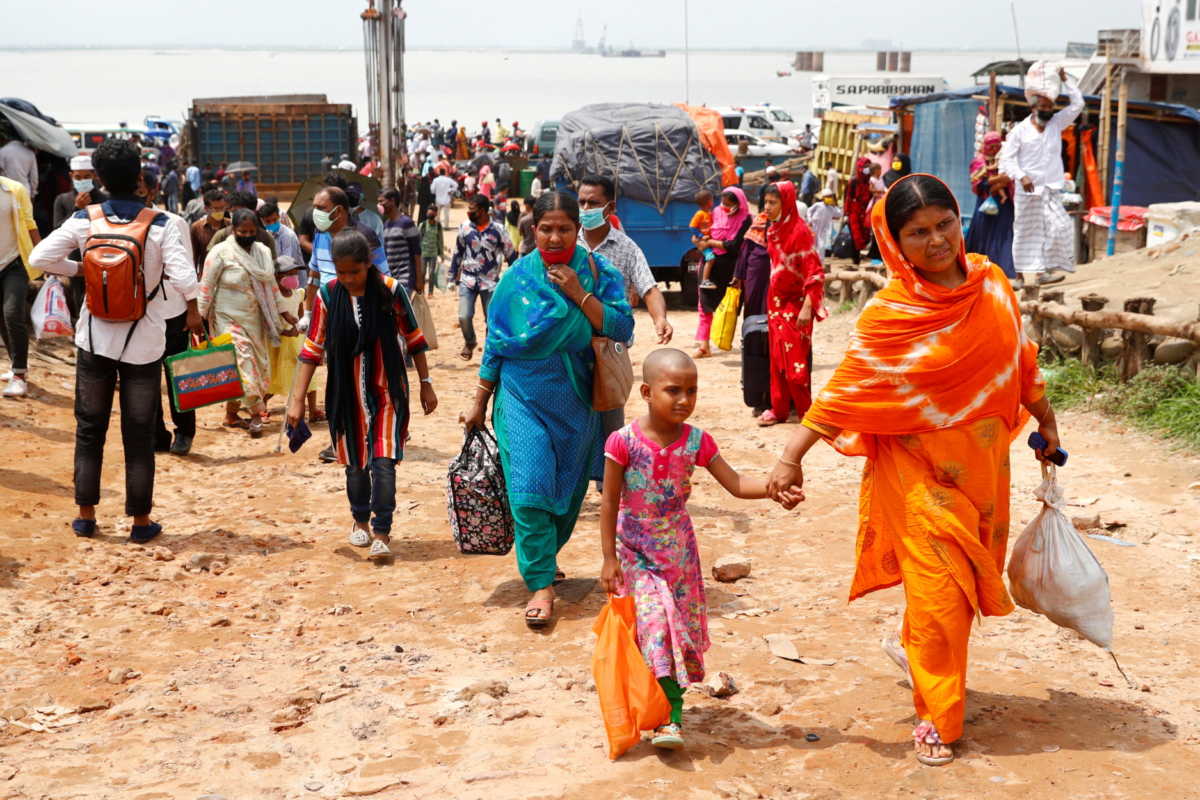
(8, 376)
(16, 387)
(895, 651)
(359, 537)
(379, 549)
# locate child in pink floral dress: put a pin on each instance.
(649, 547)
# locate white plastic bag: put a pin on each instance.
(51, 317)
(1042, 79)
(1053, 572)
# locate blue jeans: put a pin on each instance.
(373, 490)
(466, 312)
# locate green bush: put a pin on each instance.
(1161, 399)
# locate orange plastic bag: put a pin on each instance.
(631, 701)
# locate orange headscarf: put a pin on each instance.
(924, 357)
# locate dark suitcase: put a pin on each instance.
(756, 362)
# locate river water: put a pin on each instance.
(469, 85)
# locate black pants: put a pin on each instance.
(95, 382)
(14, 291)
(185, 421)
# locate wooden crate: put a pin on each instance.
(840, 142)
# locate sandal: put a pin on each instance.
(265, 416)
(538, 617)
(896, 652)
(236, 423)
(668, 737)
(768, 419)
(701, 352)
(559, 576)
(926, 734)
(466, 353)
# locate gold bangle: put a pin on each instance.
(795, 464)
(486, 390)
(583, 302)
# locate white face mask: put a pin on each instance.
(322, 220)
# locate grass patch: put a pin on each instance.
(845, 308)
(1161, 399)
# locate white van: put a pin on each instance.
(785, 125)
(756, 123)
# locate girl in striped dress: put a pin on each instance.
(362, 325)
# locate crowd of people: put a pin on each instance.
(934, 415)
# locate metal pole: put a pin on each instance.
(1119, 166)
(687, 62)
(384, 81)
(1016, 33)
(399, 113)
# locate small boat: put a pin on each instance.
(782, 73)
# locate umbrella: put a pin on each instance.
(39, 134)
(241, 166)
(302, 202)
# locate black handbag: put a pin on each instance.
(843, 245)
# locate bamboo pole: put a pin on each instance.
(1118, 165)
(993, 110)
(1105, 130)
(1120, 320)
(851, 275)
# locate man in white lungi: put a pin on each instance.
(1032, 157)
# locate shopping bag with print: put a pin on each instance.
(477, 498)
(631, 699)
(203, 376)
(50, 314)
(725, 318)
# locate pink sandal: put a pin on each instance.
(768, 419)
(925, 733)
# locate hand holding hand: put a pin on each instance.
(785, 482)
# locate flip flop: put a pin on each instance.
(240, 425)
(767, 420)
(537, 618)
(465, 354)
(559, 576)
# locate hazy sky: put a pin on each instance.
(785, 24)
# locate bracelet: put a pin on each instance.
(787, 463)
(486, 390)
(428, 380)
(583, 302)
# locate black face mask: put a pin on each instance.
(1045, 115)
(245, 242)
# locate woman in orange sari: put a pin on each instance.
(937, 381)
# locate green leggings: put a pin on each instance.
(674, 693)
(540, 535)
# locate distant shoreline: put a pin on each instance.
(166, 49)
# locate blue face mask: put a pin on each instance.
(83, 186)
(273, 227)
(592, 218)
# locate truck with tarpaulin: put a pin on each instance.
(658, 157)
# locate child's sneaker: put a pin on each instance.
(668, 737)
(708, 285)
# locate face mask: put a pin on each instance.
(897, 166)
(1045, 115)
(217, 216)
(828, 201)
(273, 227)
(867, 171)
(592, 218)
(83, 186)
(291, 282)
(322, 220)
(246, 241)
(554, 257)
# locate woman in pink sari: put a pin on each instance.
(731, 220)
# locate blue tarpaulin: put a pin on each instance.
(943, 144)
(1162, 162)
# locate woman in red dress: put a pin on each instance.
(794, 302)
(858, 201)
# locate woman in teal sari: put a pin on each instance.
(537, 361)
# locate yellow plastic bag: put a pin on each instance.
(725, 319)
(631, 700)
(216, 341)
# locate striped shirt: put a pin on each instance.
(382, 433)
(402, 245)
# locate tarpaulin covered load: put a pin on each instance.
(35, 129)
(653, 153)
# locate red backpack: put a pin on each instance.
(112, 266)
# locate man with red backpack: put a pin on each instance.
(135, 268)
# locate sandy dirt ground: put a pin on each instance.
(251, 654)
